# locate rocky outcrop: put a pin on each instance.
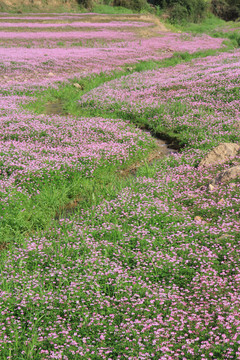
(222, 153)
(227, 175)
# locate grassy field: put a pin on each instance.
(104, 253)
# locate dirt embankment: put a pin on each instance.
(41, 5)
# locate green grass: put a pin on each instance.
(214, 27)
(208, 25)
(101, 261)
(111, 10)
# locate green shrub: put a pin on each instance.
(136, 5)
(178, 14)
(187, 10)
(181, 11)
(109, 9)
(226, 9)
(88, 4)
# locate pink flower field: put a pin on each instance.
(36, 144)
(165, 285)
(147, 266)
(199, 98)
(29, 56)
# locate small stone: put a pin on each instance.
(198, 218)
(211, 187)
(78, 86)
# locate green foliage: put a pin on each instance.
(226, 9)
(108, 9)
(135, 5)
(235, 37)
(182, 11)
(179, 14)
(188, 10)
(208, 25)
(88, 4)
(215, 27)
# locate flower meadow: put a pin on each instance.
(36, 151)
(147, 266)
(31, 57)
(136, 276)
(38, 144)
(198, 102)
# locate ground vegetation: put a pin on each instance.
(110, 250)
